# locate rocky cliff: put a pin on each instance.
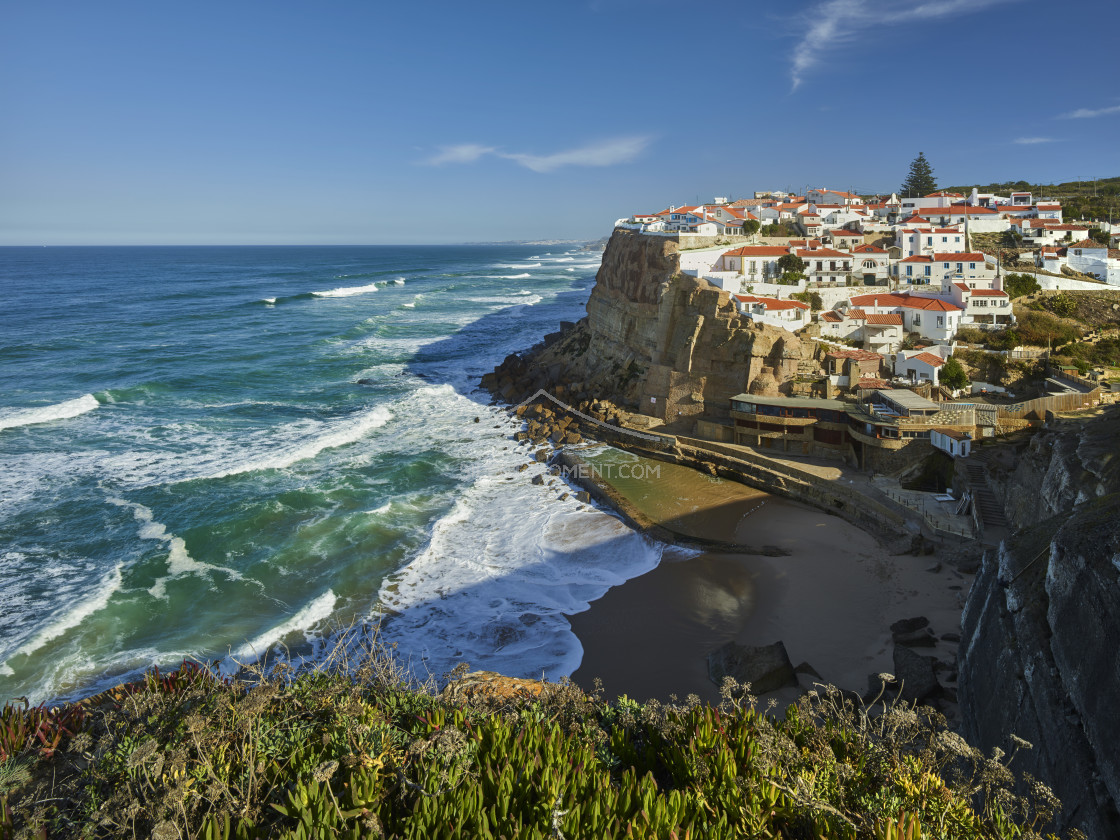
(665, 344)
(1040, 655)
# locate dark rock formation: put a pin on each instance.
(766, 668)
(1040, 655)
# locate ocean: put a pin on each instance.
(218, 453)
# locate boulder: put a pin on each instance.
(488, 685)
(915, 675)
(765, 667)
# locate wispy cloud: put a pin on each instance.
(832, 24)
(1030, 141)
(605, 153)
(1086, 113)
(463, 153)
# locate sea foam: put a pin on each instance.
(49, 413)
(347, 291)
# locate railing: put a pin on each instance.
(918, 507)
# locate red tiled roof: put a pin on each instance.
(874, 384)
(891, 320)
(954, 211)
(917, 258)
(906, 301)
(857, 314)
(967, 256)
(745, 298)
(831, 317)
(943, 194)
(929, 359)
(758, 251)
(987, 293)
(1087, 243)
(823, 252)
(868, 249)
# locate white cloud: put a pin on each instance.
(832, 24)
(1085, 113)
(605, 153)
(1030, 141)
(464, 153)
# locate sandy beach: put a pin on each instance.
(830, 599)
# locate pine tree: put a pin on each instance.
(920, 180)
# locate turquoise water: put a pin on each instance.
(189, 466)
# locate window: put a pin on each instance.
(927, 271)
(917, 320)
(909, 270)
(972, 265)
(929, 240)
(940, 321)
(944, 238)
(960, 267)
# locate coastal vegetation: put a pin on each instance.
(355, 748)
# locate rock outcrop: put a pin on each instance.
(668, 345)
(1041, 629)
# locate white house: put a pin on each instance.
(927, 240)
(982, 306)
(955, 443)
(936, 268)
(755, 262)
(932, 318)
(1091, 257)
(920, 366)
(787, 314)
(871, 263)
(825, 265)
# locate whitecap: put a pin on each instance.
(518, 265)
(515, 276)
(347, 291)
(399, 281)
(93, 603)
(49, 413)
(316, 612)
(179, 561)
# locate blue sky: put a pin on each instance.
(364, 122)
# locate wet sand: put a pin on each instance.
(830, 601)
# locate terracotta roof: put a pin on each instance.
(928, 358)
(966, 256)
(831, 317)
(858, 355)
(868, 249)
(857, 314)
(906, 301)
(873, 384)
(955, 211)
(758, 251)
(943, 194)
(823, 252)
(987, 293)
(892, 320)
(1087, 243)
(917, 258)
(774, 303)
(963, 287)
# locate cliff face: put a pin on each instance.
(1041, 629)
(667, 345)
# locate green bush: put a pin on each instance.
(357, 751)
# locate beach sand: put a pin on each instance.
(830, 601)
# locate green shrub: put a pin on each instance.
(356, 750)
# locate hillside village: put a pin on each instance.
(902, 310)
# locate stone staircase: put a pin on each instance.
(991, 511)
